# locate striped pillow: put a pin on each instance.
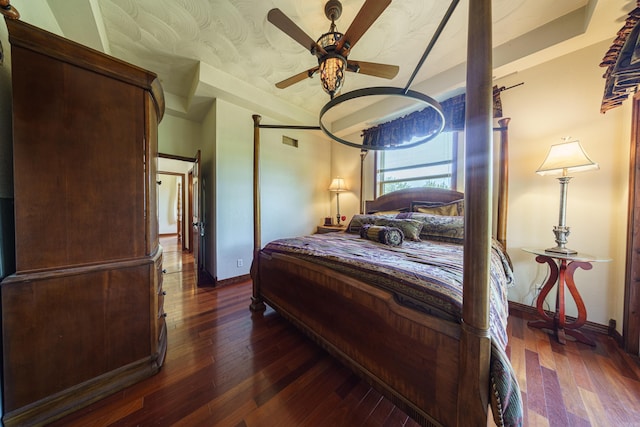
(391, 236)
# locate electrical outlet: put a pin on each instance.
(240, 262)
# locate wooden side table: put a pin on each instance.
(561, 272)
(322, 229)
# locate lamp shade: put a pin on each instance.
(565, 158)
(338, 185)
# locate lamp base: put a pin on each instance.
(561, 232)
(561, 250)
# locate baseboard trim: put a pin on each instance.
(613, 333)
(233, 280)
(588, 326)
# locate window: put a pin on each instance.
(432, 164)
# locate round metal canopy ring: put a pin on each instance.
(377, 91)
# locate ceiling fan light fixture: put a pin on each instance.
(332, 69)
(333, 48)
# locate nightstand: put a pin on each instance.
(561, 272)
(323, 229)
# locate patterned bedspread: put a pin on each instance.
(426, 275)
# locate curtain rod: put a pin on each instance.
(510, 87)
(289, 127)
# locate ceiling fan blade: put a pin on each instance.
(369, 12)
(282, 21)
(297, 78)
(373, 69)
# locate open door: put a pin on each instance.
(198, 226)
(197, 237)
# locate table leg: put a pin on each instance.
(548, 322)
(560, 317)
(571, 328)
(562, 275)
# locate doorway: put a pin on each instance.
(192, 213)
(174, 198)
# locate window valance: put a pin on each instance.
(424, 122)
(622, 61)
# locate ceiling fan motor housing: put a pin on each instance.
(333, 10)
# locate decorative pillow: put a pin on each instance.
(410, 227)
(448, 210)
(439, 208)
(357, 221)
(438, 227)
(387, 235)
(394, 212)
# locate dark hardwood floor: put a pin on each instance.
(225, 367)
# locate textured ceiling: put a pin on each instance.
(203, 49)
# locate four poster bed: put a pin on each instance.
(392, 312)
(391, 304)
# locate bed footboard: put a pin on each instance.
(410, 357)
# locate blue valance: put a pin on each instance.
(424, 122)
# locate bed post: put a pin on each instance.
(503, 182)
(475, 345)
(256, 300)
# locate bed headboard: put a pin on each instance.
(402, 198)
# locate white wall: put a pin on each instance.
(233, 190)
(178, 136)
(294, 184)
(345, 163)
(168, 204)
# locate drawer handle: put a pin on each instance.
(164, 292)
(164, 314)
(164, 271)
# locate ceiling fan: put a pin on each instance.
(333, 47)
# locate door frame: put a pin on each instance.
(631, 325)
(186, 213)
(181, 176)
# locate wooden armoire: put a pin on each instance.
(82, 316)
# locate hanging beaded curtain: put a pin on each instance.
(424, 122)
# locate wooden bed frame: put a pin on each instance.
(410, 357)
(435, 370)
(368, 330)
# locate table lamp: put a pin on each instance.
(338, 186)
(565, 158)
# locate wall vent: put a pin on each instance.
(289, 141)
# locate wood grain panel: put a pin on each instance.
(84, 174)
(69, 352)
